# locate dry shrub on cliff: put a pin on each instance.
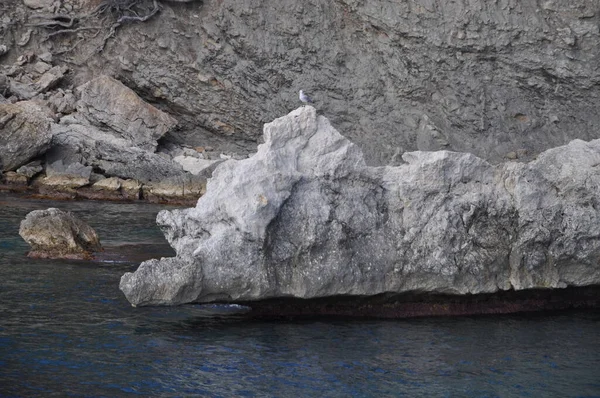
(106, 17)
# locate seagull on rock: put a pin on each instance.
(305, 98)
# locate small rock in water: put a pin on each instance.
(31, 169)
(53, 233)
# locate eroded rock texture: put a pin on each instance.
(305, 217)
(490, 78)
(24, 133)
(53, 233)
(499, 79)
(107, 102)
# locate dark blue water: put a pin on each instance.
(66, 330)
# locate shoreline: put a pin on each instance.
(87, 193)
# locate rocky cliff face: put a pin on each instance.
(499, 79)
(306, 217)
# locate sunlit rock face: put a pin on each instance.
(305, 217)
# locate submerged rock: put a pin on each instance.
(306, 218)
(53, 233)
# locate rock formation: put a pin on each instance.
(24, 133)
(502, 80)
(512, 77)
(306, 217)
(107, 102)
(53, 233)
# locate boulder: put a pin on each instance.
(53, 233)
(24, 133)
(108, 102)
(306, 218)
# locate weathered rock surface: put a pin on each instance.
(197, 166)
(305, 217)
(487, 77)
(65, 178)
(26, 88)
(108, 184)
(77, 141)
(106, 101)
(31, 169)
(11, 177)
(36, 4)
(53, 233)
(172, 190)
(24, 133)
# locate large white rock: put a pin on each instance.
(305, 217)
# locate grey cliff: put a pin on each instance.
(499, 79)
(306, 217)
(24, 133)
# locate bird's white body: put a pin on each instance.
(304, 97)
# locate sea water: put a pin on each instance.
(67, 330)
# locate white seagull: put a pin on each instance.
(305, 98)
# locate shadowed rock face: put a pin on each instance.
(305, 217)
(53, 233)
(106, 101)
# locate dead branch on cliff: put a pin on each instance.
(124, 18)
(106, 17)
